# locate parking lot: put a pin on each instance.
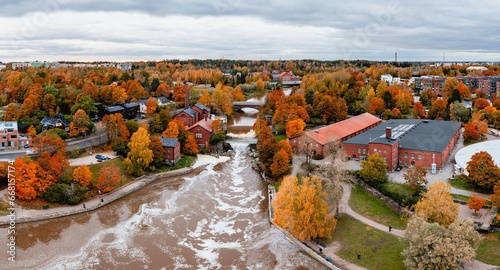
(90, 159)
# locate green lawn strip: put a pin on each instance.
(460, 184)
(184, 161)
(378, 249)
(460, 197)
(280, 137)
(374, 208)
(489, 249)
(399, 188)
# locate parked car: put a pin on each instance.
(27, 145)
(100, 157)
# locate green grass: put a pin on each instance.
(489, 251)
(461, 184)
(184, 161)
(3, 208)
(399, 188)
(467, 143)
(460, 197)
(378, 250)
(374, 208)
(96, 168)
(280, 137)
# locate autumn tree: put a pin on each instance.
(157, 148)
(480, 103)
(115, 126)
(281, 164)
(172, 131)
(190, 147)
(136, 91)
(495, 197)
(415, 177)
(470, 133)
(163, 90)
(434, 246)
(438, 110)
(151, 105)
(476, 203)
(437, 205)
(51, 143)
(459, 112)
(376, 106)
(26, 177)
(301, 209)
(223, 99)
(140, 156)
(266, 146)
(295, 127)
(482, 170)
(109, 178)
(11, 113)
(179, 94)
(418, 110)
(31, 131)
(82, 175)
(374, 169)
(80, 124)
(285, 145)
(259, 125)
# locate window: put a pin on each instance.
(406, 155)
(419, 156)
(412, 156)
(199, 135)
(374, 149)
(385, 151)
(169, 150)
(359, 150)
(364, 151)
(13, 136)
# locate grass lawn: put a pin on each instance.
(399, 188)
(461, 184)
(3, 208)
(280, 137)
(489, 251)
(185, 161)
(374, 208)
(96, 168)
(378, 250)
(460, 197)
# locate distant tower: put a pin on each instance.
(186, 95)
(396, 57)
(444, 58)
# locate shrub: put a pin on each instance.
(217, 138)
(59, 132)
(318, 157)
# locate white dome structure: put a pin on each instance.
(463, 156)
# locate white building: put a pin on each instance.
(387, 78)
(126, 66)
(16, 65)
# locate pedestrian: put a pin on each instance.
(329, 258)
(102, 200)
(320, 251)
(359, 256)
(83, 205)
(390, 228)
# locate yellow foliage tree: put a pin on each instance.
(437, 205)
(295, 127)
(82, 175)
(301, 209)
(281, 163)
(140, 155)
(172, 131)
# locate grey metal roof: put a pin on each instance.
(131, 105)
(143, 101)
(168, 142)
(201, 106)
(189, 111)
(425, 135)
(113, 108)
(51, 121)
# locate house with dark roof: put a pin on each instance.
(317, 141)
(171, 150)
(406, 142)
(187, 116)
(203, 111)
(54, 122)
(202, 131)
(131, 110)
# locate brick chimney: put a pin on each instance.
(388, 132)
(186, 95)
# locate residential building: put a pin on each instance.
(202, 131)
(171, 150)
(288, 76)
(55, 122)
(317, 141)
(131, 110)
(126, 66)
(193, 114)
(406, 142)
(10, 137)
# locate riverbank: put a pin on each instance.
(32, 215)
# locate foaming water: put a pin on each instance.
(214, 220)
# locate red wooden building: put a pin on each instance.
(171, 150)
(202, 131)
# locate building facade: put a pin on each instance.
(10, 136)
(202, 131)
(406, 143)
(171, 150)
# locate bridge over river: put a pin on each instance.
(247, 104)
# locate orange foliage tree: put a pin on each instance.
(115, 126)
(295, 127)
(418, 110)
(109, 178)
(82, 175)
(482, 170)
(281, 164)
(301, 209)
(163, 90)
(172, 131)
(480, 103)
(376, 106)
(80, 124)
(11, 113)
(26, 177)
(470, 132)
(51, 143)
(190, 147)
(151, 105)
(476, 203)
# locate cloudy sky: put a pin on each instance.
(122, 30)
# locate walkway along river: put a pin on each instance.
(216, 219)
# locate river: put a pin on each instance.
(213, 219)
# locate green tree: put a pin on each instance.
(140, 156)
(85, 103)
(433, 246)
(301, 209)
(374, 169)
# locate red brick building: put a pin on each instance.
(193, 114)
(316, 141)
(10, 136)
(202, 131)
(171, 150)
(406, 142)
